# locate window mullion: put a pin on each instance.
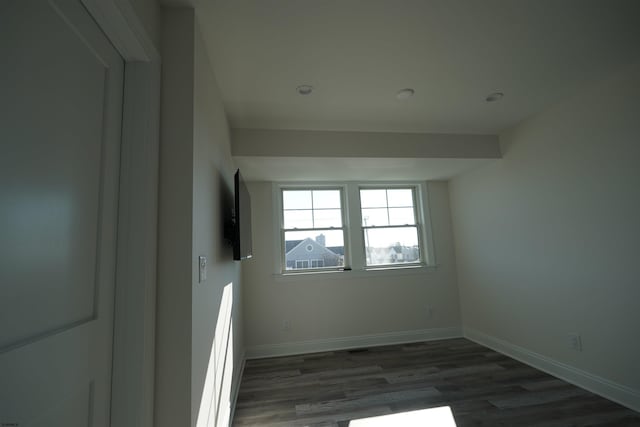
(354, 227)
(373, 227)
(314, 229)
(313, 213)
(386, 203)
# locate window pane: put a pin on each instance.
(401, 216)
(298, 219)
(326, 247)
(401, 197)
(296, 199)
(377, 217)
(391, 245)
(326, 199)
(373, 198)
(327, 218)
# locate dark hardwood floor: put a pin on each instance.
(482, 388)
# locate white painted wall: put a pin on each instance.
(325, 309)
(149, 13)
(196, 177)
(213, 171)
(311, 155)
(313, 143)
(173, 311)
(547, 239)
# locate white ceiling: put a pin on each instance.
(358, 53)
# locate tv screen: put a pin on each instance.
(241, 220)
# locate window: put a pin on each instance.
(306, 263)
(302, 263)
(353, 226)
(312, 228)
(391, 232)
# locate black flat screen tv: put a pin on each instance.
(241, 220)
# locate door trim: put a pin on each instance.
(132, 391)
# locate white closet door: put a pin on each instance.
(61, 85)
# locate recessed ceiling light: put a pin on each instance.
(304, 89)
(495, 96)
(405, 93)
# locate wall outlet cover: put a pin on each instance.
(202, 262)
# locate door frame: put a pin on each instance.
(133, 365)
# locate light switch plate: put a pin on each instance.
(202, 262)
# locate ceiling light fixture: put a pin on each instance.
(304, 89)
(495, 96)
(405, 93)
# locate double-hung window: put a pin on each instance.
(312, 230)
(353, 226)
(389, 225)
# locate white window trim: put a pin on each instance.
(422, 224)
(354, 251)
(135, 302)
(279, 248)
(417, 225)
(311, 275)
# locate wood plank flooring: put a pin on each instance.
(482, 387)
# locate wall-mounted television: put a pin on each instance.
(241, 220)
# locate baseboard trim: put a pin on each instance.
(236, 388)
(344, 343)
(601, 386)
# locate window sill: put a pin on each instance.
(414, 270)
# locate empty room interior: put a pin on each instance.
(320, 213)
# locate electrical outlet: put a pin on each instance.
(575, 342)
(286, 325)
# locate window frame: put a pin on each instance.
(279, 208)
(353, 231)
(417, 215)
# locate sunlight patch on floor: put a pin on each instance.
(440, 416)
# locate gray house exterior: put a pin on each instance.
(309, 253)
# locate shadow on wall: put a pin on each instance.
(215, 405)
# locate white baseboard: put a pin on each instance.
(608, 389)
(359, 341)
(236, 388)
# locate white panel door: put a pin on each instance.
(61, 85)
